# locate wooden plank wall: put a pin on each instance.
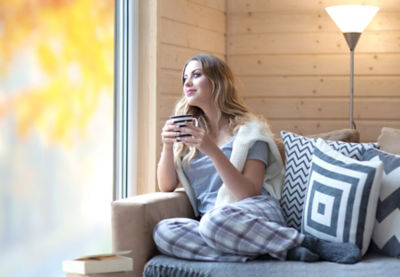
(147, 99)
(187, 27)
(294, 65)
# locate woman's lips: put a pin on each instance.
(190, 92)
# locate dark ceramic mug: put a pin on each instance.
(181, 120)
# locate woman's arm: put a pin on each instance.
(243, 184)
(166, 173)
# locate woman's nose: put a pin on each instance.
(188, 82)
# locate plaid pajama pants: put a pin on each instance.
(235, 232)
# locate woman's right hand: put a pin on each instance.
(166, 173)
(169, 133)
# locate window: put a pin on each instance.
(56, 133)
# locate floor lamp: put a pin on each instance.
(352, 20)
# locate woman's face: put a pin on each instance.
(196, 86)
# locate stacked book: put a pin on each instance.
(111, 274)
(104, 265)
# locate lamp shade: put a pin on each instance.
(352, 18)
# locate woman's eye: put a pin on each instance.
(196, 75)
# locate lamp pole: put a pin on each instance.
(352, 125)
(352, 39)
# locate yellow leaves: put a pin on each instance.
(57, 117)
(73, 42)
(47, 58)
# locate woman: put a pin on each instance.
(231, 170)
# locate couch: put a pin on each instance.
(134, 218)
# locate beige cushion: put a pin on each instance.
(389, 140)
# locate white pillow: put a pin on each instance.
(386, 234)
(298, 153)
(342, 197)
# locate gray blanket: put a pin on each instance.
(371, 265)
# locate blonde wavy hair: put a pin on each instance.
(225, 97)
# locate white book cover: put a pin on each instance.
(113, 262)
(109, 274)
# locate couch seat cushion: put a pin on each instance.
(371, 265)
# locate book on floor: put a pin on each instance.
(113, 262)
(109, 274)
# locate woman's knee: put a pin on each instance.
(162, 224)
(160, 228)
(174, 226)
(214, 221)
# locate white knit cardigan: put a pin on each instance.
(247, 134)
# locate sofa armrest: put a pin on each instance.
(134, 218)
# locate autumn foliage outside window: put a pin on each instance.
(56, 124)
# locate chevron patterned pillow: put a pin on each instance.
(298, 153)
(386, 235)
(342, 197)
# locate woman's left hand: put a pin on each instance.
(199, 139)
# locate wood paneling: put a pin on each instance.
(195, 14)
(187, 28)
(174, 57)
(319, 86)
(369, 130)
(191, 37)
(305, 126)
(326, 108)
(294, 65)
(315, 64)
(295, 21)
(170, 82)
(214, 4)
(279, 6)
(148, 97)
(167, 104)
(313, 43)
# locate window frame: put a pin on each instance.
(126, 76)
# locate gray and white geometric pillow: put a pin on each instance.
(298, 153)
(342, 197)
(386, 235)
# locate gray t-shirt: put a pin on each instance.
(205, 179)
